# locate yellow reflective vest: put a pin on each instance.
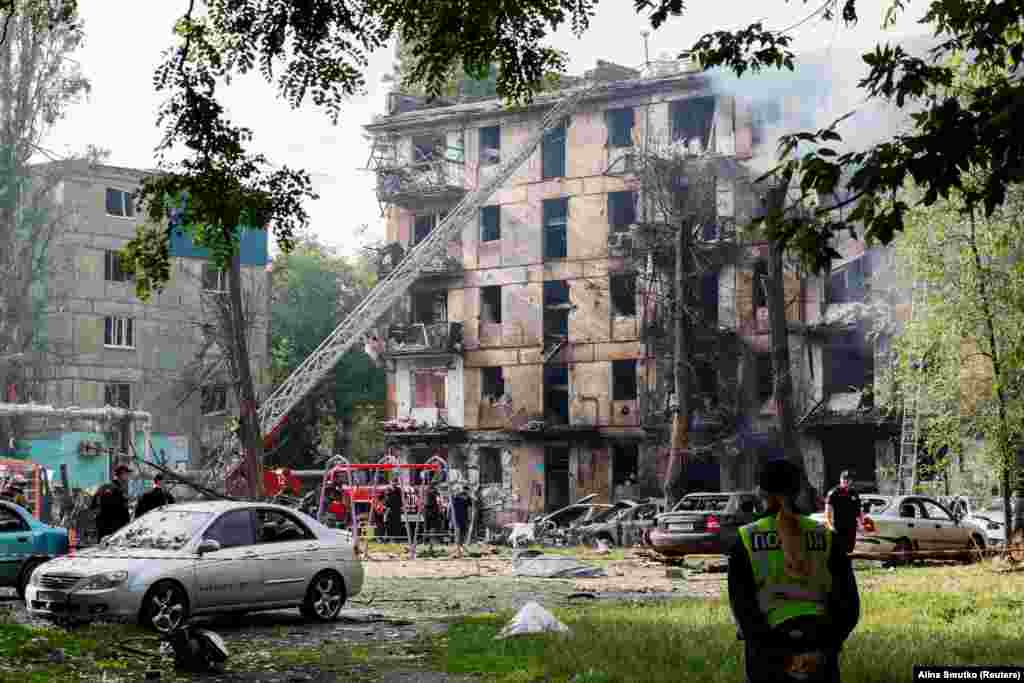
(780, 595)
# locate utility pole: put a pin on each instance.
(675, 485)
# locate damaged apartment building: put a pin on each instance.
(530, 356)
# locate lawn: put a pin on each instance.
(935, 615)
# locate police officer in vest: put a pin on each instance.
(791, 588)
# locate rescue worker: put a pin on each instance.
(156, 497)
(394, 513)
(111, 503)
(460, 519)
(791, 588)
(843, 511)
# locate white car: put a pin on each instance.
(869, 502)
(915, 522)
(201, 558)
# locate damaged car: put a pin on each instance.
(556, 528)
(626, 523)
(704, 523)
(912, 523)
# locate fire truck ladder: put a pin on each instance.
(388, 291)
(910, 430)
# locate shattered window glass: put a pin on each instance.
(161, 530)
(702, 504)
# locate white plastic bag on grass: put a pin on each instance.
(532, 618)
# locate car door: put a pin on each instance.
(232, 575)
(291, 554)
(943, 532)
(909, 521)
(15, 544)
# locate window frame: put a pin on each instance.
(117, 388)
(500, 370)
(553, 221)
(112, 269)
(611, 117)
(612, 298)
(433, 217)
(215, 522)
(617, 204)
(555, 136)
(499, 318)
(482, 147)
(307, 533)
(128, 207)
(433, 374)
(125, 325)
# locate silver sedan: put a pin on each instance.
(202, 558)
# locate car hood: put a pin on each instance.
(97, 561)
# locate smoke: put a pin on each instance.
(822, 88)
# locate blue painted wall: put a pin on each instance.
(253, 246)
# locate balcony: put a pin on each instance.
(421, 339)
(442, 266)
(413, 185)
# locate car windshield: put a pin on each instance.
(606, 515)
(160, 530)
(702, 503)
(875, 505)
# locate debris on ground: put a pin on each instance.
(535, 564)
(601, 547)
(532, 618)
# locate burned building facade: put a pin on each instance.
(532, 355)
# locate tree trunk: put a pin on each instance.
(675, 474)
(250, 434)
(775, 296)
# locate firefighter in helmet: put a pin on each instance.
(791, 588)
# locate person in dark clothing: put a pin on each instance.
(380, 516)
(394, 505)
(843, 511)
(111, 503)
(156, 497)
(460, 518)
(792, 589)
(432, 510)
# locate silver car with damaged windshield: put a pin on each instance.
(202, 558)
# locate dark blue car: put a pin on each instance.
(25, 543)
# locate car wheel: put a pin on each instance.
(324, 598)
(25, 576)
(165, 607)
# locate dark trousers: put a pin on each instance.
(766, 664)
(847, 537)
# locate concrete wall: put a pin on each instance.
(166, 329)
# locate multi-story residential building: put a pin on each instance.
(529, 355)
(111, 348)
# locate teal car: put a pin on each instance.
(25, 543)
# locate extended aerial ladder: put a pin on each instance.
(910, 430)
(355, 327)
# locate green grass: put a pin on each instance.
(938, 615)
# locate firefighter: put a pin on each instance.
(791, 588)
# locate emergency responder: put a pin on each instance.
(791, 588)
(111, 503)
(843, 511)
(156, 497)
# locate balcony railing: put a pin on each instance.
(411, 185)
(422, 338)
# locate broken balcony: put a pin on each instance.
(441, 266)
(410, 186)
(424, 339)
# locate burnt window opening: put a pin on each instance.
(422, 227)
(849, 365)
(709, 298)
(553, 153)
(620, 127)
(556, 394)
(624, 380)
(765, 378)
(851, 282)
(556, 308)
(759, 284)
(556, 219)
(625, 463)
(490, 145)
(427, 148)
(621, 210)
(492, 385)
(691, 119)
(430, 307)
(623, 295)
(706, 380)
(490, 304)
(118, 395)
(489, 465)
(490, 223)
(429, 388)
(214, 399)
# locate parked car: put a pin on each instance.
(992, 518)
(625, 523)
(704, 523)
(557, 525)
(869, 503)
(917, 523)
(200, 558)
(25, 543)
